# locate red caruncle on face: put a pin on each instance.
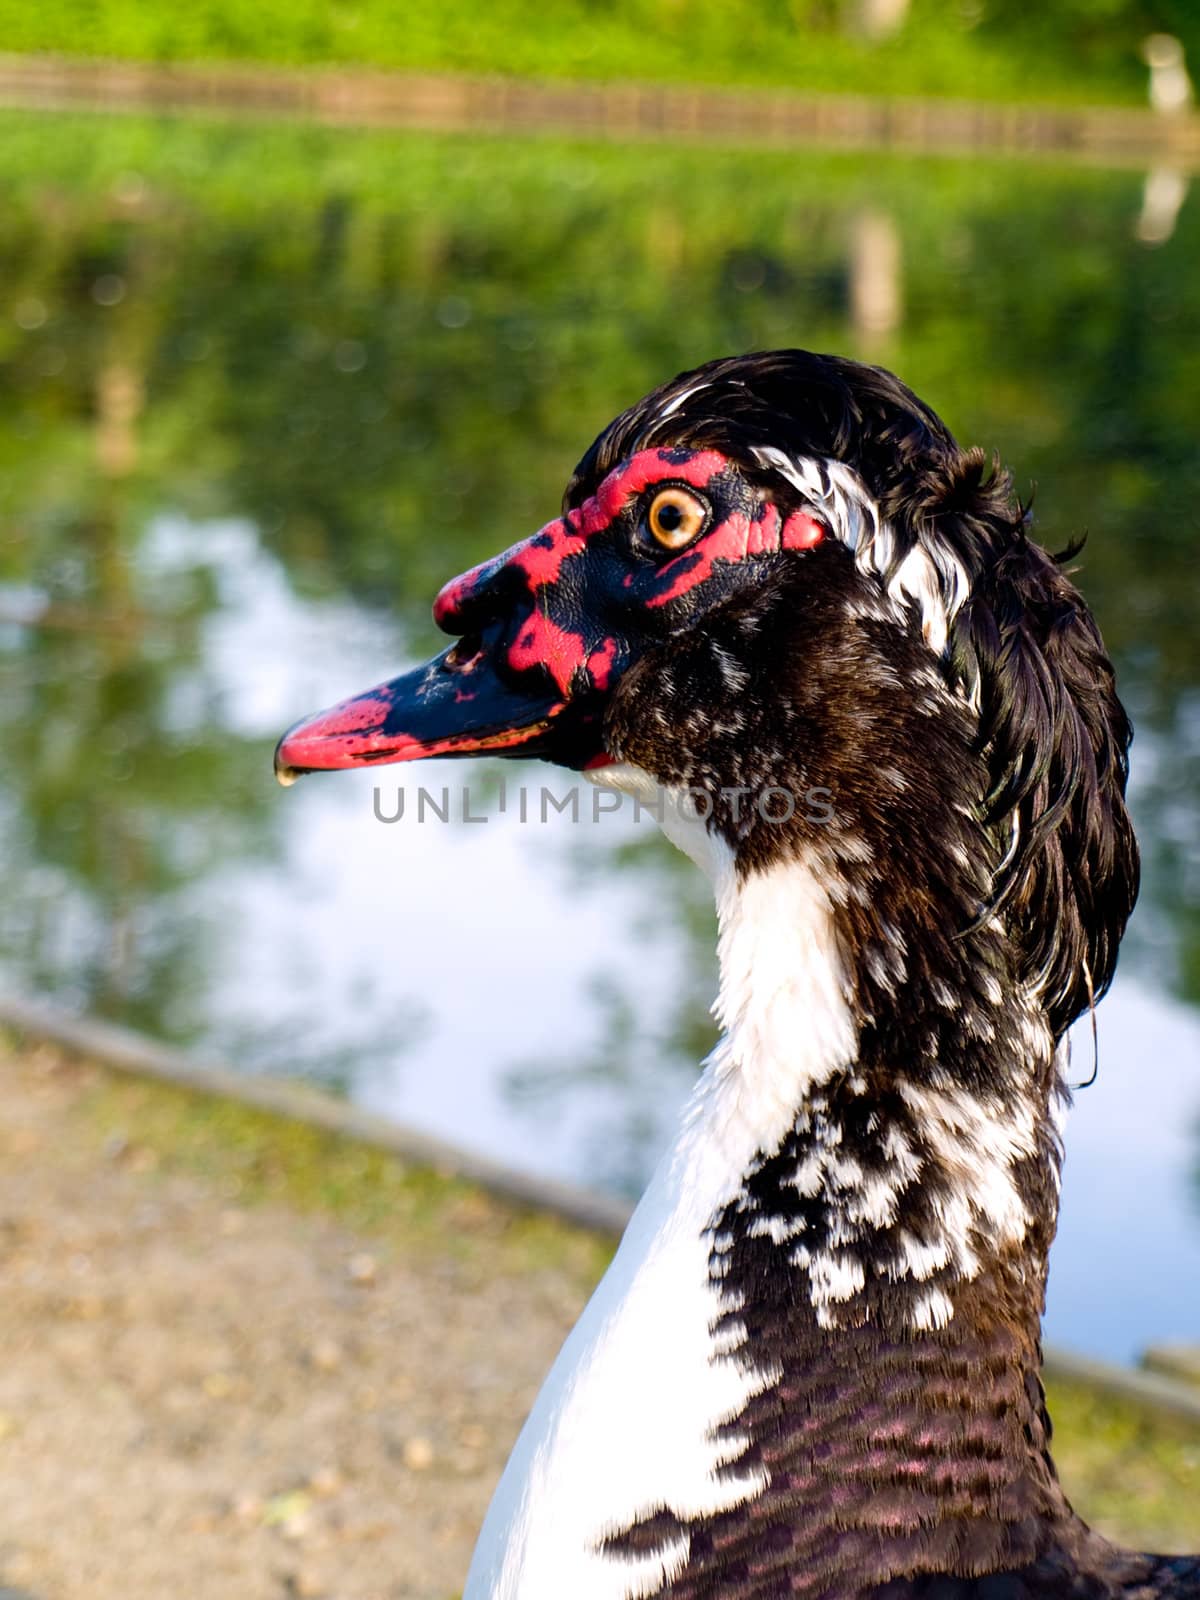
(580, 586)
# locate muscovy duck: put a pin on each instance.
(813, 1366)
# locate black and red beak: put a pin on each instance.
(522, 662)
(455, 705)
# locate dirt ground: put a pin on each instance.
(242, 1398)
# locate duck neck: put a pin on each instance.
(814, 1359)
(905, 1118)
(881, 1258)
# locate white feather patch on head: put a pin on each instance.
(677, 400)
(930, 575)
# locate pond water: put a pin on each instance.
(264, 389)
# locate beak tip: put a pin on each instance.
(285, 772)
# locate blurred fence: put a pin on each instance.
(620, 111)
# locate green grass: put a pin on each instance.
(1079, 50)
(254, 1158)
(1134, 1477)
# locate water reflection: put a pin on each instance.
(263, 390)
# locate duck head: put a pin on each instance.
(547, 630)
(780, 571)
(689, 502)
(642, 552)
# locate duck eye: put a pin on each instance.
(675, 517)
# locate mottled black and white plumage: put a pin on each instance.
(813, 1368)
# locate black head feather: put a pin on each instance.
(1022, 647)
(1056, 739)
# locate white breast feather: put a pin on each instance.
(624, 1423)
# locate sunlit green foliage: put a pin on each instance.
(996, 49)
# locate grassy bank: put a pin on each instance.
(1131, 1474)
(1073, 53)
(258, 1159)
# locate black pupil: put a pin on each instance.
(669, 517)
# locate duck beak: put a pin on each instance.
(455, 705)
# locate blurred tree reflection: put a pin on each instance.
(387, 353)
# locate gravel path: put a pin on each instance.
(237, 1396)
